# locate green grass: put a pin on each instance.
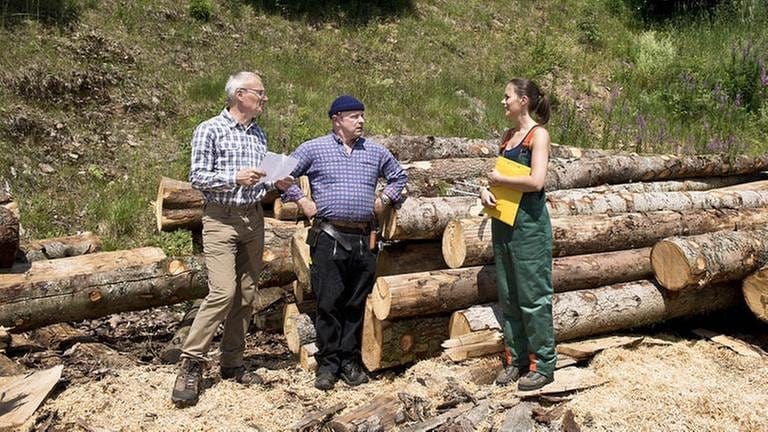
(110, 98)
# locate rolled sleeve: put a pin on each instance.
(294, 193)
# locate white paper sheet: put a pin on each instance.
(277, 166)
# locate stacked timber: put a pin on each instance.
(9, 237)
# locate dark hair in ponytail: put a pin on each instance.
(538, 102)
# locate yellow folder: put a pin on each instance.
(507, 199)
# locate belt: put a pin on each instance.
(357, 227)
(234, 208)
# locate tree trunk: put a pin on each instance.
(474, 319)
(582, 313)
(301, 259)
(62, 247)
(429, 178)
(439, 291)
(698, 184)
(757, 185)
(307, 359)
(696, 261)
(587, 204)
(95, 285)
(410, 257)
(425, 218)
(422, 148)
(392, 343)
(568, 174)
(755, 291)
(278, 267)
(467, 242)
(9, 237)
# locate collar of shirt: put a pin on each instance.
(232, 122)
(358, 142)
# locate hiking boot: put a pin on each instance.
(533, 381)
(353, 374)
(509, 374)
(325, 381)
(189, 383)
(240, 375)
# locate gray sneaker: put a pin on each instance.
(509, 374)
(189, 383)
(533, 381)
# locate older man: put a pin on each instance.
(343, 169)
(226, 150)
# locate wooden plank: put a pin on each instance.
(737, 345)
(23, 394)
(566, 380)
(588, 348)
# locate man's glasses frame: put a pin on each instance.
(257, 92)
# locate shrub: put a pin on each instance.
(201, 10)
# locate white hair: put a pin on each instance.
(237, 81)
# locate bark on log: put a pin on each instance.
(94, 285)
(278, 267)
(9, 237)
(590, 312)
(422, 148)
(425, 218)
(755, 291)
(428, 178)
(307, 359)
(382, 410)
(424, 293)
(587, 204)
(696, 261)
(391, 343)
(59, 336)
(301, 259)
(61, 247)
(299, 330)
(311, 421)
(698, 184)
(467, 242)
(410, 257)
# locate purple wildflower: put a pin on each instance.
(763, 74)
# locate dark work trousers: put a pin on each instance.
(341, 280)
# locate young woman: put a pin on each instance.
(523, 252)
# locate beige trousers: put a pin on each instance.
(233, 243)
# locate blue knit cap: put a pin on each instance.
(345, 103)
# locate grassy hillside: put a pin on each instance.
(99, 98)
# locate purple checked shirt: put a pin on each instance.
(221, 146)
(344, 185)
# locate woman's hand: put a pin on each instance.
(487, 198)
(494, 178)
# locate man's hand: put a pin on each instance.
(487, 198)
(249, 176)
(494, 178)
(308, 207)
(284, 183)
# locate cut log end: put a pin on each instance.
(390, 225)
(670, 266)
(372, 351)
(755, 290)
(458, 325)
(381, 299)
(454, 248)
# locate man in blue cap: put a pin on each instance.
(343, 169)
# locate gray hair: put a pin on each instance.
(237, 81)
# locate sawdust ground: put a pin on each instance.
(691, 385)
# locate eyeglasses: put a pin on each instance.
(257, 92)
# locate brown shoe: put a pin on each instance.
(189, 383)
(241, 375)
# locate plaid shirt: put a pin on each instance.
(344, 185)
(221, 146)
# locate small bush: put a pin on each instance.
(654, 54)
(201, 10)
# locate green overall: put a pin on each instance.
(523, 257)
